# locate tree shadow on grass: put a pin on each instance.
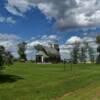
(6, 78)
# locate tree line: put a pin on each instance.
(6, 58)
(79, 53)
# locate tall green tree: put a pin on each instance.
(83, 54)
(91, 54)
(2, 52)
(21, 51)
(75, 53)
(8, 58)
(98, 49)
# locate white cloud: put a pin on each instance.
(30, 54)
(7, 20)
(7, 37)
(10, 41)
(34, 43)
(10, 20)
(50, 38)
(73, 40)
(43, 40)
(67, 13)
(18, 7)
(65, 49)
(2, 19)
(48, 9)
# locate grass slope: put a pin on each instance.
(49, 82)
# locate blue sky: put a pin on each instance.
(61, 20)
(34, 23)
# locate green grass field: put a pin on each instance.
(50, 82)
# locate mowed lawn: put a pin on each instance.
(28, 81)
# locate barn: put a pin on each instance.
(47, 54)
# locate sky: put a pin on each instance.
(47, 21)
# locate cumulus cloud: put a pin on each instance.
(65, 49)
(7, 37)
(7, 20)
(30, 53)
(73, 40)
(67, 13)
(17, 7)
(43, 40)
(10, 41)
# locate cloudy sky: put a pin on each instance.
(42, 21)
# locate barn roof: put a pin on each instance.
(42, 53)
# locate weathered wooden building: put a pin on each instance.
(47, 54)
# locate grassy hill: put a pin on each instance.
(28, 81)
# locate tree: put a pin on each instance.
(83, 54)
(2, 52)
(98, 49)
(8, 58)
(91, 54)
(21, 51)
(75, 53)
(5, 57)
